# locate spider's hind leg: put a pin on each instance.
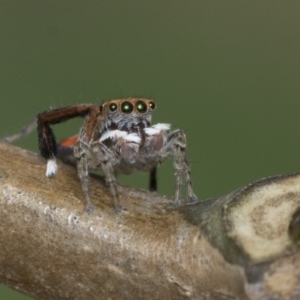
(153, 180)
(46, 137)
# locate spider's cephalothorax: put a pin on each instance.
(117, 136)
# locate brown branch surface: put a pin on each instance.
(241, 246)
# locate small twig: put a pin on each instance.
(24, 132)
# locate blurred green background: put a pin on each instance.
(227, 72)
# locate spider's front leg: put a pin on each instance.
(81, 153)
(106, 158)
(176, 145)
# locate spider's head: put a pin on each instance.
(127, 113)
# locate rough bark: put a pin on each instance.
(241, 246)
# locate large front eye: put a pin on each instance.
(152, 105)
(127, 107)
(141, 107)
(113, 107)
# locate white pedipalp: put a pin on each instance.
(157, 128)
(151, 131)
(132, 137)
(113, 134)
(162, 126)
(51, 168)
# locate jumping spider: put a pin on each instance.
(116, 136)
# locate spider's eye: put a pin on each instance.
(127, 107)
(141, 107)
(152, 105)
(113, 107)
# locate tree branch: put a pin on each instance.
(241, 246)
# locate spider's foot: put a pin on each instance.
(90, 208)
(193, 198)
(51, 168)
(177, 203)
(118, 209)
